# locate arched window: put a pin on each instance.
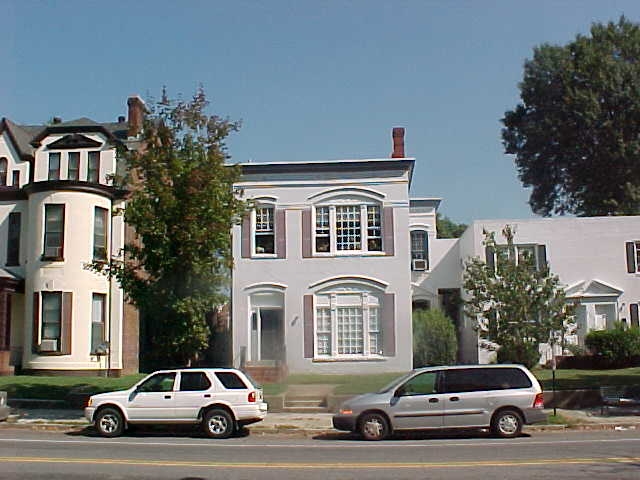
(3, 171)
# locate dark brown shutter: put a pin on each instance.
(631, 257)
(308, 325)
(388, 236)
(542, 257)
(490, 258)
(66, 331)
(35, 334)
(245, 234)
(633, 309)
(389, 325)
(306, 233)
(281, 233)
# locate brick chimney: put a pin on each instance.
(398, 142)
(136, 115)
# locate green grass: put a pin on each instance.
(58, 388)
(587, 379)
(345, 384)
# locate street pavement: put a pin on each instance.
(313, 423)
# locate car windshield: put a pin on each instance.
(394, 383)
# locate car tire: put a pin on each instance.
(109, 422)
(218, 423)
(507, 424)
(373, 426)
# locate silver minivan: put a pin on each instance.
(500, 397)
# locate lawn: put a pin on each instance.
(58, 388)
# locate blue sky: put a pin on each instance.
(310, 80)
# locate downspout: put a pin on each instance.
(110, 289)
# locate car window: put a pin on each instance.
(505, 378)
(160, 382)
(480, 379)
(423, 384)
(231, 381)
(194, 381)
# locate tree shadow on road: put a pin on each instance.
(417, 435)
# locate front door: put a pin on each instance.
(417, 403)
(267, 334)
(154, 399)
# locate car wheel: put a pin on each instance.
(374, 426)
(218, 424)
(506, 424)
(109, 422)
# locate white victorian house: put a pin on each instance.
(56, 204)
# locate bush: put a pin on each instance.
(525, 353)
(434, 338)
(616, 345)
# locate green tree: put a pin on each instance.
(575, 133)
(434, 338)
(182, 207)
(447, 228)
(517, 305)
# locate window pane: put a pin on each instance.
(323, 330)
(13, 239)
(93, 167)
(74, 166)
(264, 233)
(374, 229)
(348, 228)
(418, 240)
(350, 330)
(423, 384)
(100, 234)
(98, 303)
(54, 166)
(53, 231)
(322, 229)
(51, 314)
(231, 381)
(161, 382)
(194, 381)
(3, 171)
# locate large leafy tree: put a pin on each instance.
(575, 134)
(182, 207)
(447, 228)
(516, 304)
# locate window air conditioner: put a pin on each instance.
(418, 264)
(49, 345)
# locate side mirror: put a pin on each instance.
(399, 392)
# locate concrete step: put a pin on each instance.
(309, 402)
(305, 409)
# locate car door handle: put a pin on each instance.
(167, 397)
(433, 400)
(206, 395)
(454, 399)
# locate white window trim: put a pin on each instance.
(333, 234)
(254, 254)
(425, 230)
(518, 246)
(366, 305)
(636, 245)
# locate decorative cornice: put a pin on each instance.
(76, 186)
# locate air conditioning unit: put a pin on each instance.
(49, 345)
(418, 264)
(52, 252)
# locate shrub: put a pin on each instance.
(616, 345)
(434, 338)
(525, 353)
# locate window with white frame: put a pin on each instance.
(419, 250)
(264, 231)
(342, 229)
(522, 254)
(347, 324)
(637, 249)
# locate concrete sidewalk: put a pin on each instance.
(312, 423)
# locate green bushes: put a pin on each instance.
(617, 346)
(434, 338)
(525, 353)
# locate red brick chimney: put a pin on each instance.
(398, 142)
(136, 115)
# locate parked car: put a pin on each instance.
(220, 399)
(499, 397)
(4, 408)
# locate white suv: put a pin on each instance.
(221, 399)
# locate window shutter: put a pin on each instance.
(308, 325)
(490, 258)
(542, 257)
(633, 308)
(35, 343)
(281, 233)
(306, 233)
(388, 236)
(631, 257)
(388, 325)
(66, 330)
(245, 234)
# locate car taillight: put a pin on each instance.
(539, 401)
(252, 397)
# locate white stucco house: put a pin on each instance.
(335, 256)
(56, 204)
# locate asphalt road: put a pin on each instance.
(26, 454)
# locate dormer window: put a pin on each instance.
(93, 167)
(3, 171)
(73, 172)
(54, 166)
